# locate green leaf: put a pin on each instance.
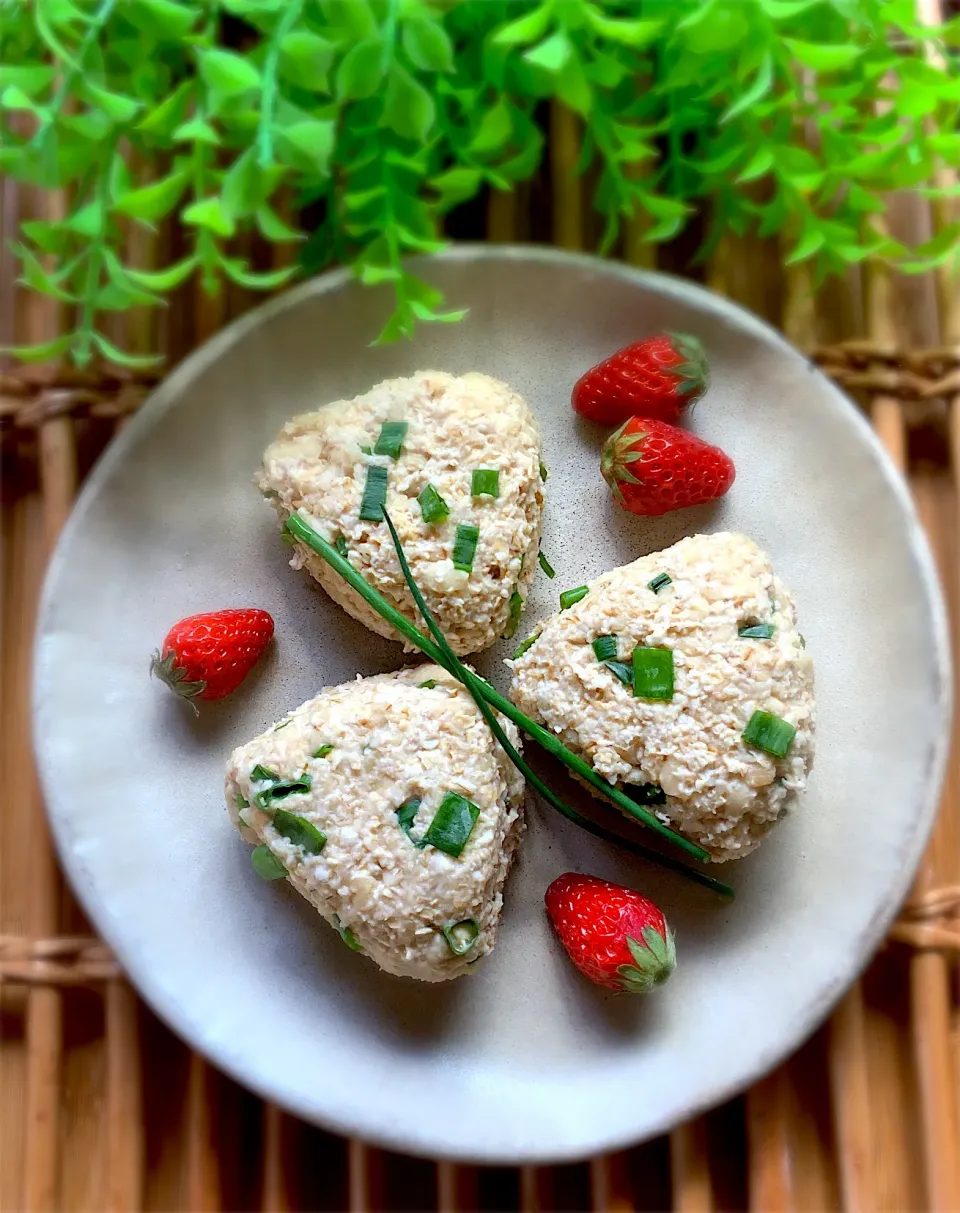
(169, 114)
(456, 185)
(783, 10)
(162, 17)
(627, 33)
(38, 279)
(823, 56)
(273, 227)
(153, 201)
(228, 73)
(758, 89)
(48, 237)
(87, 221)
(361, 71)
(210, 215)
(810, 242)
(246, 186)
(409, 110)
(353, 17)
(196, 130)
(114, 354)
(526, 29)
(573, 87)
(118, 108)
(29, 80)
(552, 54)
(14, 98)
(759, 163)
(42, 352)
(427, 44)
(305, 60)
(309, 143)
(267, 281)
(494, 131)
(163, 280)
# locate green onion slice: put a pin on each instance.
(323, 751)
(569, 597)
(513, 619)
(390, 442)
(661, 581)
(287, 539)
(757, 631)
(547, 567)
(522, 648)
(241, 801)
(346, 934)
(461, 936)
(280, 791)
(428, 685)
(282, 725)
(374, 494)
(406, 814)
(265, 863)
(465, 546)
(770, 733)
(645, 793)
(485, 482)
(432, 505)
(803, 643)
(543, 471)
(605, 648)
(623, 670)
(341, 545)
(452, 825)
(259, 773)
(652, 673)
(367, 450)
(301, 833)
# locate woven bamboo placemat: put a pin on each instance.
(101, 1108)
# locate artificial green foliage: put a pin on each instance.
(376, 117)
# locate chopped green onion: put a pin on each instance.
(299, 831)
(374, 494)
(645, 793)
(241, 801)
(452, 825)
(406, 814)
(346, 934)
(605, 648)
(323, 751)
(661, 581)
(428, 685)
(543, 471)
(341, 545)
(367, 450)
(652, 673)
(270, 494)
(265, 863)
(522, 648)
(390, 442)
(757, 631)
(287, 539)
(547, 567)
(280, 791)
(461, 936)
(623, 670)
(513, 619)
(259, 773)
(485, 483)
(569, 597)
(432, 505)
(465, 547)
(770, 733)
(803, 643)
(282, 725)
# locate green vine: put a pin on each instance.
(376, 118)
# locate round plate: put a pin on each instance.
(524, 1061)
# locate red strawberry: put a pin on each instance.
(653, 467)
(657, 377)
(208, 656)
(615, 936)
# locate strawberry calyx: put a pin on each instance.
(653, 961)
(692, 371)
(175, 677)
(618, 452)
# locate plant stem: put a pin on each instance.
(291, 14)
(100, 18)
(306, 534)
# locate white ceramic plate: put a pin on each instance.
(524, 1061)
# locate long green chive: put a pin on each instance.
(543, 471)
(482, 691)
(299, 831)
(569, 597)
(622, 670)
(452, 824)
(323, 751)
(280, 791)
(465, 546)
(428, 685)
(605, 648)
(432, 505)
(259, 773)
(461, 936)
(547, 567)
(491, 695)
(770, 733)
(374, 494)
(522, 648)
(485, 482)
(513, 619)
(757, 631)
(406, 814)
(652, 673)
(390, 442)
(659, 582)
(341, 545)
(346, 934)
(265, 863)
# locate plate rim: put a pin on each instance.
(164, 397)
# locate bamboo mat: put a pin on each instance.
(101, 1108)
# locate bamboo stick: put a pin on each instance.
(565, 183)
(690, 1168)
(456, 1188)
(850, 1089)
(502, 217)
(610, 1185)
(769, 1171)
(275, 1194)
(202, 1170)
(364, 1177)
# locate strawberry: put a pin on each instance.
(615, 936)
(207, 656)
(658, 377)
(653, 468)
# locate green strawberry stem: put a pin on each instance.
(306, 534)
